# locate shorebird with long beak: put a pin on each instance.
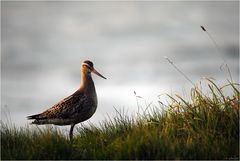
(76, 108)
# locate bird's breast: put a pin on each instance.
(89, 106)
(93, 99)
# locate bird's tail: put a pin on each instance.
(33, 117)
(37, 119)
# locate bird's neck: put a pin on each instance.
(86, 82)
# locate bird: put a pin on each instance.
(76, 108)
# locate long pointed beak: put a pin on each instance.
(96, 72)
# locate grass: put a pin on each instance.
(203, 127)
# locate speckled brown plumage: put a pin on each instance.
(76, 108)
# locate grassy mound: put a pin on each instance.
(205, 127)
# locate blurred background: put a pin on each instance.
(44, 44)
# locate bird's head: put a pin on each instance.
(87, 68)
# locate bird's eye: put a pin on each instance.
(87, 66)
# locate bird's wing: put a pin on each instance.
(65, 108)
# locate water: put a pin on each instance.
(44, 44)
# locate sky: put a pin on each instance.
(44, 43)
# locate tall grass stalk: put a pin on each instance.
(180, 71)
(224, 64)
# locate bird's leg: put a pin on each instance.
(71, 132)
